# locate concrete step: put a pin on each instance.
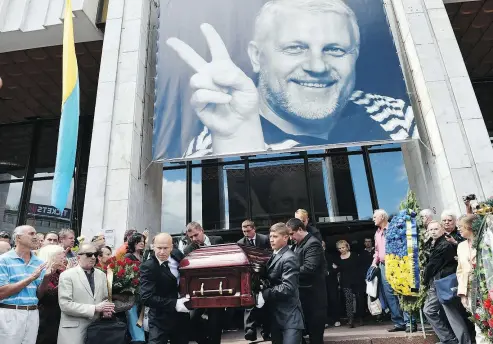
(366, 334)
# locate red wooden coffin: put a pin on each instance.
(221, 275)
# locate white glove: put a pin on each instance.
(180, 305)
(260, 301)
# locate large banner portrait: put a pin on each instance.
(239, 77)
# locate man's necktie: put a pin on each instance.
(165, 266)
(251, 242)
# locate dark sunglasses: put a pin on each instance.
(89, 254)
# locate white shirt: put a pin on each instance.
(207, 241)
(173, 267)
(254, 239)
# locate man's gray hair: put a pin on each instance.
(448, 212)
(19, 231)
(269, 11)
(64, 232)
(427, 213)
(193, 225)
(383, 213)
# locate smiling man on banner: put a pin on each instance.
(69, 122)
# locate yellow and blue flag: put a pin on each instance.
(69, 121)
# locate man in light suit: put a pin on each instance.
(83, 297)
(282, 296)
(254, 316)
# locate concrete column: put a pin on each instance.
(123, 191)
(456, 157)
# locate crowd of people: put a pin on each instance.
(51, 292)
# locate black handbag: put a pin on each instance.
(106, 331)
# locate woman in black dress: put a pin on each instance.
(351, 279)
(135, 252)
(49, 310)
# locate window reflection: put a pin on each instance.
(13, 160)
(46, 149)
(277, 190)
(173, 210)
(10, 195)
(41, 214)
(390, 178)
(226, 204)
(337, 193)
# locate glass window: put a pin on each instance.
(46, 149)
(13, 160)
(277, 189)
(221, 196)
(41, 213)
(339, 188)
(390, 178)
(10, 196)
(173, 212)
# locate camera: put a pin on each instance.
(472, 201)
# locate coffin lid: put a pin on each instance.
(227, 255)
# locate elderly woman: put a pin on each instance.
(466, 257)
(442, 263)
(351, 279)
(449, 221)
(49, 310)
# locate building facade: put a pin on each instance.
(445, 56)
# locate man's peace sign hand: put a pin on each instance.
(225, 98)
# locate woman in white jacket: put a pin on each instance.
(466, 257)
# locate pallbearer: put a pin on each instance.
(281, 296)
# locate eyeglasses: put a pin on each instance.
(89, 254)
(4, 235)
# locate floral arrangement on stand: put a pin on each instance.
(482, 283)
(413, 299)
(123, 277)
(401, 259)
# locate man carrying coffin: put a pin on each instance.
(313, 293)
(159, 279)
(281, 295)
(254, 316)
(211, 332)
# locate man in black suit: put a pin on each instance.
(159, 278)
(302, 214)
(209, 333)
(281, 296)
(198, 238)
(251, 237)
(313, 294)
(254, 316)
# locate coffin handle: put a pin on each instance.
(219, 291)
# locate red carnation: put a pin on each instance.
(136, 268)
(490, 322)
(135, 281)
(121, 273)
(476, 316)
(111, 266)
(128, 260)
(491, 310)
(485, 323)
(487, 303)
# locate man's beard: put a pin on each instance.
(281, 101)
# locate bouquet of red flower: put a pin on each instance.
(125, 275)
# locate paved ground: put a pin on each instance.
(367, 334)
